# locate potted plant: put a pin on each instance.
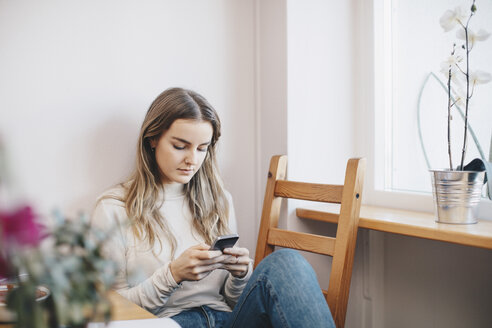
(457, 190)
(64, 263)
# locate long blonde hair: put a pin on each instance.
(204, 192)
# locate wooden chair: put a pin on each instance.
(341, 248)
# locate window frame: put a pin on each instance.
(375, 133)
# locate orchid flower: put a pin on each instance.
(451, 18)
(450, 68)
(479, 77)
(456, 74)
(451, 62)
(473, 37)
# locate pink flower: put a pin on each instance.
(19, 228)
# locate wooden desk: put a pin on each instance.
(123, 309)
(409, 223)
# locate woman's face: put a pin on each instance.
(180, 150)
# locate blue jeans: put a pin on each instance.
(282, 292)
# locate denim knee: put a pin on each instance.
(286, 260)
(287, 253)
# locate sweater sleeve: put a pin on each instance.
(151, 293)
(233, 287)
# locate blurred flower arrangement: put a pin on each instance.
(455, 72)
(65, 262)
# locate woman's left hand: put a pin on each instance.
(238, 261)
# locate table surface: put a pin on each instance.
(409, 223)
(122, 309)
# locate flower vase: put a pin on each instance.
(457, 195)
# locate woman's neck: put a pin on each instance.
(173, 190)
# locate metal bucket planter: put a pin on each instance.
(457, 195)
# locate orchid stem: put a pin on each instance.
(463, 151)
(449, 119)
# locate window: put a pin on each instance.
(410, 105)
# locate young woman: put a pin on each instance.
(170, 211)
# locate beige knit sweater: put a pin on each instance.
(144, 278)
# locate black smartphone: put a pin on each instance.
(225, 241)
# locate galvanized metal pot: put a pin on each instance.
(457, 195)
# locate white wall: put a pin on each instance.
(78, 76)
(321, 111)
(320, 89)
(272, 131)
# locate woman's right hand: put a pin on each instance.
(196, 263)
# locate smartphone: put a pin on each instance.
(225, 241)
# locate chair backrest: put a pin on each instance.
(341, 248)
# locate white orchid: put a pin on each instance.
(473, 37)
(451, 68)
(451, 18)
(479, 77)
(451, 62)
(456, 75)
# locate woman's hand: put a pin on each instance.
(196, 263)
(237, 262)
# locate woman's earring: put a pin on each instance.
(153, 149)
